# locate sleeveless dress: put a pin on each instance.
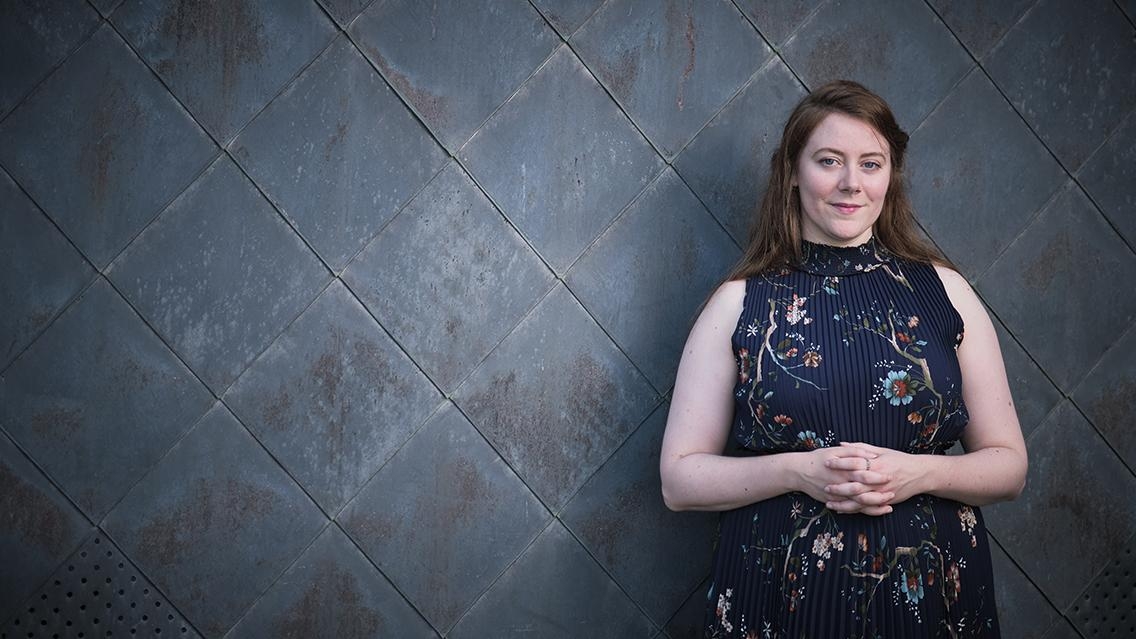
(854, 345)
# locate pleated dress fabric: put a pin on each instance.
(854, 345)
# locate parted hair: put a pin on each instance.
(775, 234)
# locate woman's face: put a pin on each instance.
(842, 178)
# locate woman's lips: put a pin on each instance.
(844, 207)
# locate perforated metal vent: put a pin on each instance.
(1108, 607)
(97, 593)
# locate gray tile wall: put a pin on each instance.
(342, 318)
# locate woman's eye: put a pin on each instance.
(828, 161)
(872, 165)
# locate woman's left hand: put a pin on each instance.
(860, 461)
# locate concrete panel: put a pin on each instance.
(443, 541)
(215, 523)
(619, 516)
(42, 271)
(99, 399)
(898, 49)
(456, 62)
(560, 159)
(978, 175)
(448, 278)
(102, 189)
(672, 65)
(219, 299)
(1073, 95)
(333, 398)
(332, 592)
(554, 590)
(338, 153)
(556, 398)
(225, 61)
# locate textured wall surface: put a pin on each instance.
(343, 318)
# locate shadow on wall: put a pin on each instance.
(349, 319)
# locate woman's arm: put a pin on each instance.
(993, 468)
(695, 475)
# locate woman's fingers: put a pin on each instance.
(859, 492)
(850, 506)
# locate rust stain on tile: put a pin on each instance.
(1051, 260)
(838, 57)
(433, 108)
(115, 110)
(682, 22)
(335, 140)
(622, 73)
(1114, 407)
(31, 515)
(207, 511)
(231, 30)
(276, 412)
(57, 424)
(614, 521)
(332, 599)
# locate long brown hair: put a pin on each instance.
(775, 236)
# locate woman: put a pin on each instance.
(818, 392)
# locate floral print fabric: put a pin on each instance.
(854, 345)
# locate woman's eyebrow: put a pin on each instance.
(841, 153)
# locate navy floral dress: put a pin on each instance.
(855, 345)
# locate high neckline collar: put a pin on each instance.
(823, 259)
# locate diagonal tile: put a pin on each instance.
(1023, 611)
(102, 189)
(560, 159)
(1058, 258)
(38, 527)
(41, 273)
(778, 19)
(727, 165)
(1077, 487)
(333, 398)
(331, 591)
(556, 398)
(1105, 607)
(456, 63)
(225, 61)
(689, 621)
(671, 67)
(34, 37)
(219, 299)
(1108, 396)
(554, 590)
(567, 15)
(106, 7)
(1034, 395)
(1070, 69)
(344, 11)
(339, 153)
(1062, 629)
(975, 165)
(1108, 176)
(620, 517)
(900, 50)
(668, 254)
(448, 277)
(978, 23)
(443, 539)
(215, 522)
(98, 399)
(100, 591)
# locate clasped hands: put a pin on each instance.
(861, 478)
